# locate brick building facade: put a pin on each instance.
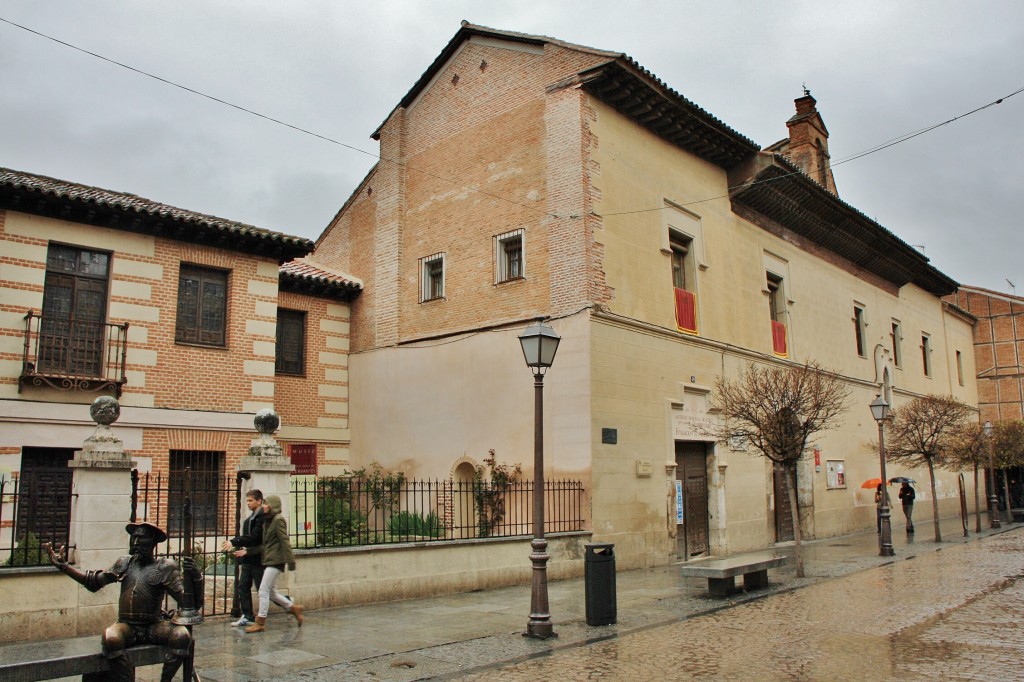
(174, 312)
(998, 350)
(522, 177)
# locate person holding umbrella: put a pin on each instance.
(907, 496)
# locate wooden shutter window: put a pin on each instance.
(686, 311)
(291, 342)
(202, 306)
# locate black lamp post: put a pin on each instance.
(880, 411)
(993, 503)
(539, 342)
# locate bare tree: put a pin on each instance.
(921, 433)
(777, 410)
(968, 448)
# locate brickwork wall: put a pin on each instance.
(489, 146)
(998, 349)
(348, 245)
(209, 378)
(320, 398)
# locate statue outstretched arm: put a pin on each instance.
(93, 581)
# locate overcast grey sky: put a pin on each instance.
(879, 69)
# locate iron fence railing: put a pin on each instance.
(160, 499)
(347, 511)
(35, 508)
(74, 354)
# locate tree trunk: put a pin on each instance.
(787, 469)
(935, 501)
(1006, 495)
(977, 501)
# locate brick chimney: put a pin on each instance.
(808, 142)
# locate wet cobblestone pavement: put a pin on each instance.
(949, 610)
(954, 614)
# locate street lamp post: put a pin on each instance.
(880, 411)
(539, 342)
(993, 503)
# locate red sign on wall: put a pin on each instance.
(303, 456)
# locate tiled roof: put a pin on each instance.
(42, 195)
(301, 276)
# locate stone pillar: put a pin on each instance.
(102, 481)
(269, 470)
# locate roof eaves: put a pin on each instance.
(52, 197)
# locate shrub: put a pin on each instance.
(29, 552)
(405, 523)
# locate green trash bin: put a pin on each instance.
(599, 580)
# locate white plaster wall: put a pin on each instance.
(420, 408)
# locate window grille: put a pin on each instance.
(432, 277)
(510, 257)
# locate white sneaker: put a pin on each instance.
(242, 622)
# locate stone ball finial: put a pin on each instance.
(267, 421)
(105, 410)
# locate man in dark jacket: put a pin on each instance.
(907, 496)
(247, 549)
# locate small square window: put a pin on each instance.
(509, 256)
(432, 277)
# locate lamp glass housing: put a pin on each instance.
(540, 343)
(879, 408)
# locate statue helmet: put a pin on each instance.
(156, 532)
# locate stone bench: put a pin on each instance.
(1017, 515)
(56, 658)
(721, 573)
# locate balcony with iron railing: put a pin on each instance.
(74, 355)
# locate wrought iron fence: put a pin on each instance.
(35, 508)
(160, 498)
(349, 511)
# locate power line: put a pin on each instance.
(877, 148)
(872, 150)
(271, 118)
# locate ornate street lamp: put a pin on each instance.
(539, 342)
(993, 503)
(880, 411)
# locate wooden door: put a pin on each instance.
(691, 470)
(44, 495)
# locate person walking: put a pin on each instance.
(878, 507)
(907, 496)
(247, 550)
(276, 555)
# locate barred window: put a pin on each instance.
(432, 277)
(291, 342)
(205, 470)
(202, 306)
(509, 256)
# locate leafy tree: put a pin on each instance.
(778, 410)
(921, 433)
(1008, 450)
(968, 448)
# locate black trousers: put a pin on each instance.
(249, 575)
